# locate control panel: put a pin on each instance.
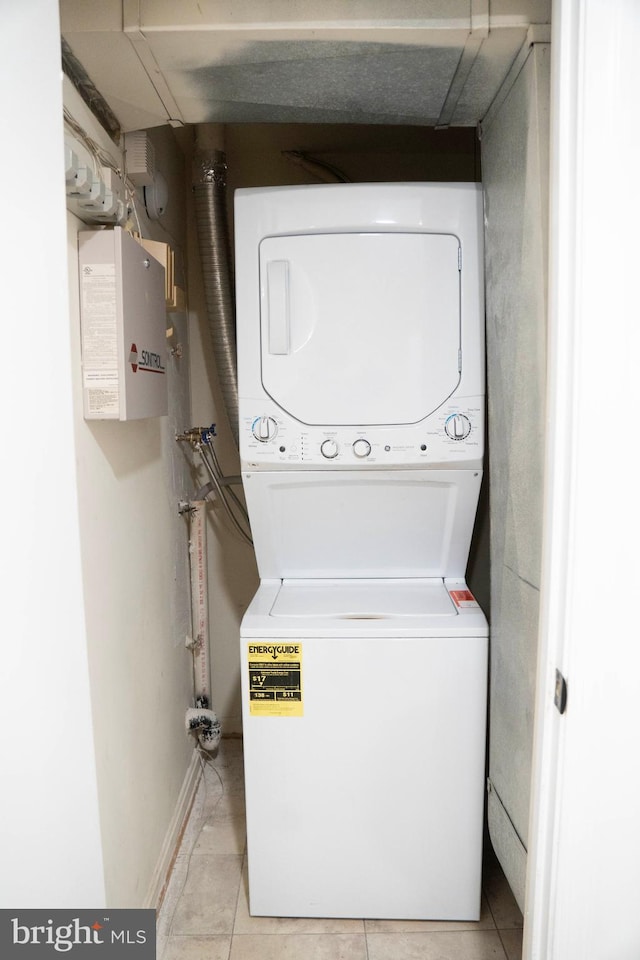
(454, 433)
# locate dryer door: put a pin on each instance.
(360, 328)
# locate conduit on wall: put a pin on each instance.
(209, 190)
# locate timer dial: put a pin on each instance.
(457, 426)
(361, 447)
(264, 429)
(329, 449)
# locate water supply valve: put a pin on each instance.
(198, 435)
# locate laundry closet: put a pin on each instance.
(418, 93)
(461, 99)
(97, 676)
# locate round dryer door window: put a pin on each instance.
(360, 328)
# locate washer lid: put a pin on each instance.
(360, 328)
(363, 599)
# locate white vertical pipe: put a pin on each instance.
(200, 600)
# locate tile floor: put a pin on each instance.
(205, 913)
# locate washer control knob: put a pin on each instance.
(457, 426)
(264, 429)
(329, 449)
(361, 448)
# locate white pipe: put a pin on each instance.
(201, 720)
(199, 601)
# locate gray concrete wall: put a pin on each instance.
(515, 175)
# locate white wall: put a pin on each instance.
(131, 477)
(95, 678)
(584, 877)
(49, 824)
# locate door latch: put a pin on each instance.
(560, 695)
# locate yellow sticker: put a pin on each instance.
(275, 679)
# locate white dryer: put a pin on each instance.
(364, 656)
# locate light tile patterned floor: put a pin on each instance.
(205, 913)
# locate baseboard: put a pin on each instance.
(171, 844)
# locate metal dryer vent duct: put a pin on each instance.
(209, 190)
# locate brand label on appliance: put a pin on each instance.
(463, 598)
(145, 360)
(275, 679)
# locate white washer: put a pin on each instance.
(366, 799)
(364, 657)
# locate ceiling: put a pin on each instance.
(425, 62)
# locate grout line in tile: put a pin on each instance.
(366, 941)
(504, 949)
(304, 933)
(240, 890)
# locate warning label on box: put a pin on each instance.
(463, 598)
(100, 341)
(275, 679)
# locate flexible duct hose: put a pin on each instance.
(209, 190)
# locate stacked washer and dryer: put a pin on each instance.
(364, 655)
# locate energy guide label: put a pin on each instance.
(275, 679)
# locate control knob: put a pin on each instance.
(361, 448)
(329, 449)
(457, 426)
(264, 429)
